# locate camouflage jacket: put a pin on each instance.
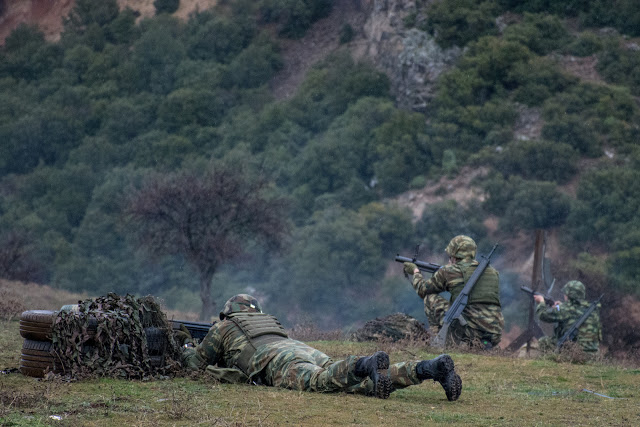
(220, 351)
(483, 310)
(565, 315)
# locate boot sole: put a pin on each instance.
(382, 383)
(453, 387)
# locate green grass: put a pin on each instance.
(497, 390)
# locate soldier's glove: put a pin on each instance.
(409, 268)
(183, 336)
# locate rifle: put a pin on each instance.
(198, 330)
(455, 310)
(547, 300)
(573, 330)
(422, 265)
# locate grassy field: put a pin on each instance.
(497, 390)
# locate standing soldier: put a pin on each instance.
(566, 315)
(249, 346)
(482, 318)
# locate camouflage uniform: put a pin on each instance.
(285, 363)
(483, 313)
(565, 315)
(290, 364)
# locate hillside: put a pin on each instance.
(381, 124)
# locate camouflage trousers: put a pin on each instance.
(550, 344)
(435, 308)
(297, 366)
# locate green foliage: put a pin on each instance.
(441, 221)
(26, 55)
(526, 205)
(294, 17)
(343, 240)
(542, 33)
(620, 65)
(402, 152)
(586, 44)
(457, 22)
(537, 80)
(586, 115)
(346, 34)
(621, 14)
(607, 206)
(209, 36)
(166, 6)
(255, 65)
(331, 86)
(538, 160)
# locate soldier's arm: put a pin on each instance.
(434, 285)
(208, 352)
(550, 314)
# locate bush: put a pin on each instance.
(538, 160)
(457, 22)
(542, 33)
(444, 220)
(586, 44)
(526, 205)
(166, 6)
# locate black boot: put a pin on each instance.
(441, 369)
(371, 366)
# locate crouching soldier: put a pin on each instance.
(250, 346)
(566, 314)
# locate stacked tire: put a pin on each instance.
(37, 359)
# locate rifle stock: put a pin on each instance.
(455, 310)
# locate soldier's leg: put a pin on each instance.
(303, 372)
(435, 308)
(405, 374)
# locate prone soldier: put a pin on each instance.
(249, 346)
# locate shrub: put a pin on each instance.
(444, 220)
(542, 33)
(538, 160)
(526, 205)
(166, 6)
(585, 44)
(457, 22)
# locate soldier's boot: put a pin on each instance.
(374, 367)
(441, 369)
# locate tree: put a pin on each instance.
(209, 219)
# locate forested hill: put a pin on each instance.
(291, 148)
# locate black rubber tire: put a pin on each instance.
(156, 341)
(37, 358)
(32, 372)
(156, 361)
(38, 334)
(40, 346)
(37, 364)
(43, 317)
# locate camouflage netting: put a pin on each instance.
(109, 336)
(394, 327)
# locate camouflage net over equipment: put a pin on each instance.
(107, 336)
(395, 327)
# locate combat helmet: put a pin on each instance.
(462, 247)
(574, 289)
(240, 303)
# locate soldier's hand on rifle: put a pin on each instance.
(538, 298)
(410, 269)
(183, 337)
